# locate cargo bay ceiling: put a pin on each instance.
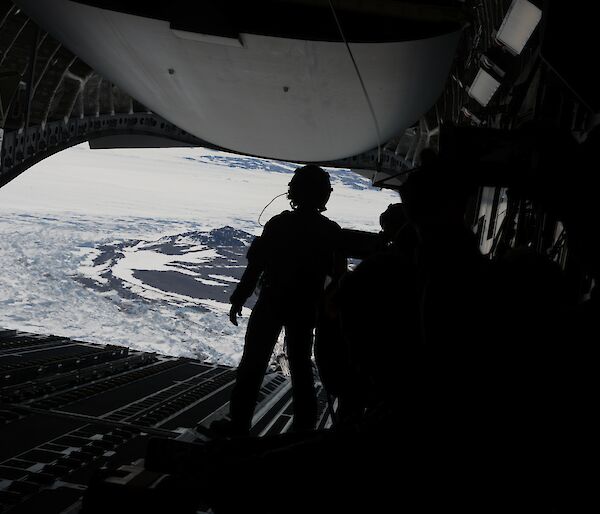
(66, 82)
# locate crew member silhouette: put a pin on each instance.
(292, 258)
(376, 303)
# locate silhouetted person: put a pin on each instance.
(293, 257)
(392, 220)
(333, 355)
(450, 266)
(376, 308)
(475, 378)
(331, 347)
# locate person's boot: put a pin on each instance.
(225, 428)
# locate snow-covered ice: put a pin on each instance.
(143, 247)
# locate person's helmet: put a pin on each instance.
(392, 219)
(310, 187)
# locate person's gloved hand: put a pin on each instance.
(234, 312)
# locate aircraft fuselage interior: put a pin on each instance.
(500, 98)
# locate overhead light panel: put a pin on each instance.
(483, 87)
(519, 23)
